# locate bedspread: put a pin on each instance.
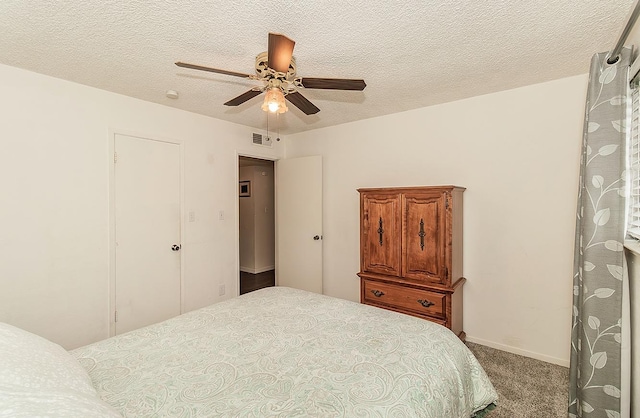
(285, 352)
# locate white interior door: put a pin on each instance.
(299, 223)
(147, 231)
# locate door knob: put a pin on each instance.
(175, 247)
(316, 238)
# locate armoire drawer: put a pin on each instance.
(404, 298)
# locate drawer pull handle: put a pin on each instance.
(425, 303)
(377, 293)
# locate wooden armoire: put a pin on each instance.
(411, 252)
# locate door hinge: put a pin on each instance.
(115, 157)
(116, 316)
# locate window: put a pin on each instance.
(633, 225)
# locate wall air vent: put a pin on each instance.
(259, 139)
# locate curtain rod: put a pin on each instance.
(633, 17)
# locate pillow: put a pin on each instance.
(40, 378)
(53, 404)
(32, 362)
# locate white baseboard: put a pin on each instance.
(258, 270)
(519, 351)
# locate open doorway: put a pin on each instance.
(256, 194)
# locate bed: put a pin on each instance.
(279, 352)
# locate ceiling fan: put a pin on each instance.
(276, 68)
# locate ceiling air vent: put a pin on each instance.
(263, 140)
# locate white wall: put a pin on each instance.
(630, 385)
(517, 153)
(54, 172)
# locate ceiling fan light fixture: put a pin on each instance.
(274, 101)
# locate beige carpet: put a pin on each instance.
(526, 387)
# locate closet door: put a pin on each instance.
(423, 237)
(380, 233)
(147, 232)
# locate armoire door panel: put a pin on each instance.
(423, 237)
(382, 226)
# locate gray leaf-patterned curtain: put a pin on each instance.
(595, 374)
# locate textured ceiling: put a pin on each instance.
(411, 54)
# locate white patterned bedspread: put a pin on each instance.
(288, 353)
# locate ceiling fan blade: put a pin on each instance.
(280, 52)
(247, 95)
(301, 102)
(333, 83)
(212, 70)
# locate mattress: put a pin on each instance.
(288, 353)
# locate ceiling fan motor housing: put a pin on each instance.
(263, 71)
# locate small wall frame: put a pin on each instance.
(245, 189)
